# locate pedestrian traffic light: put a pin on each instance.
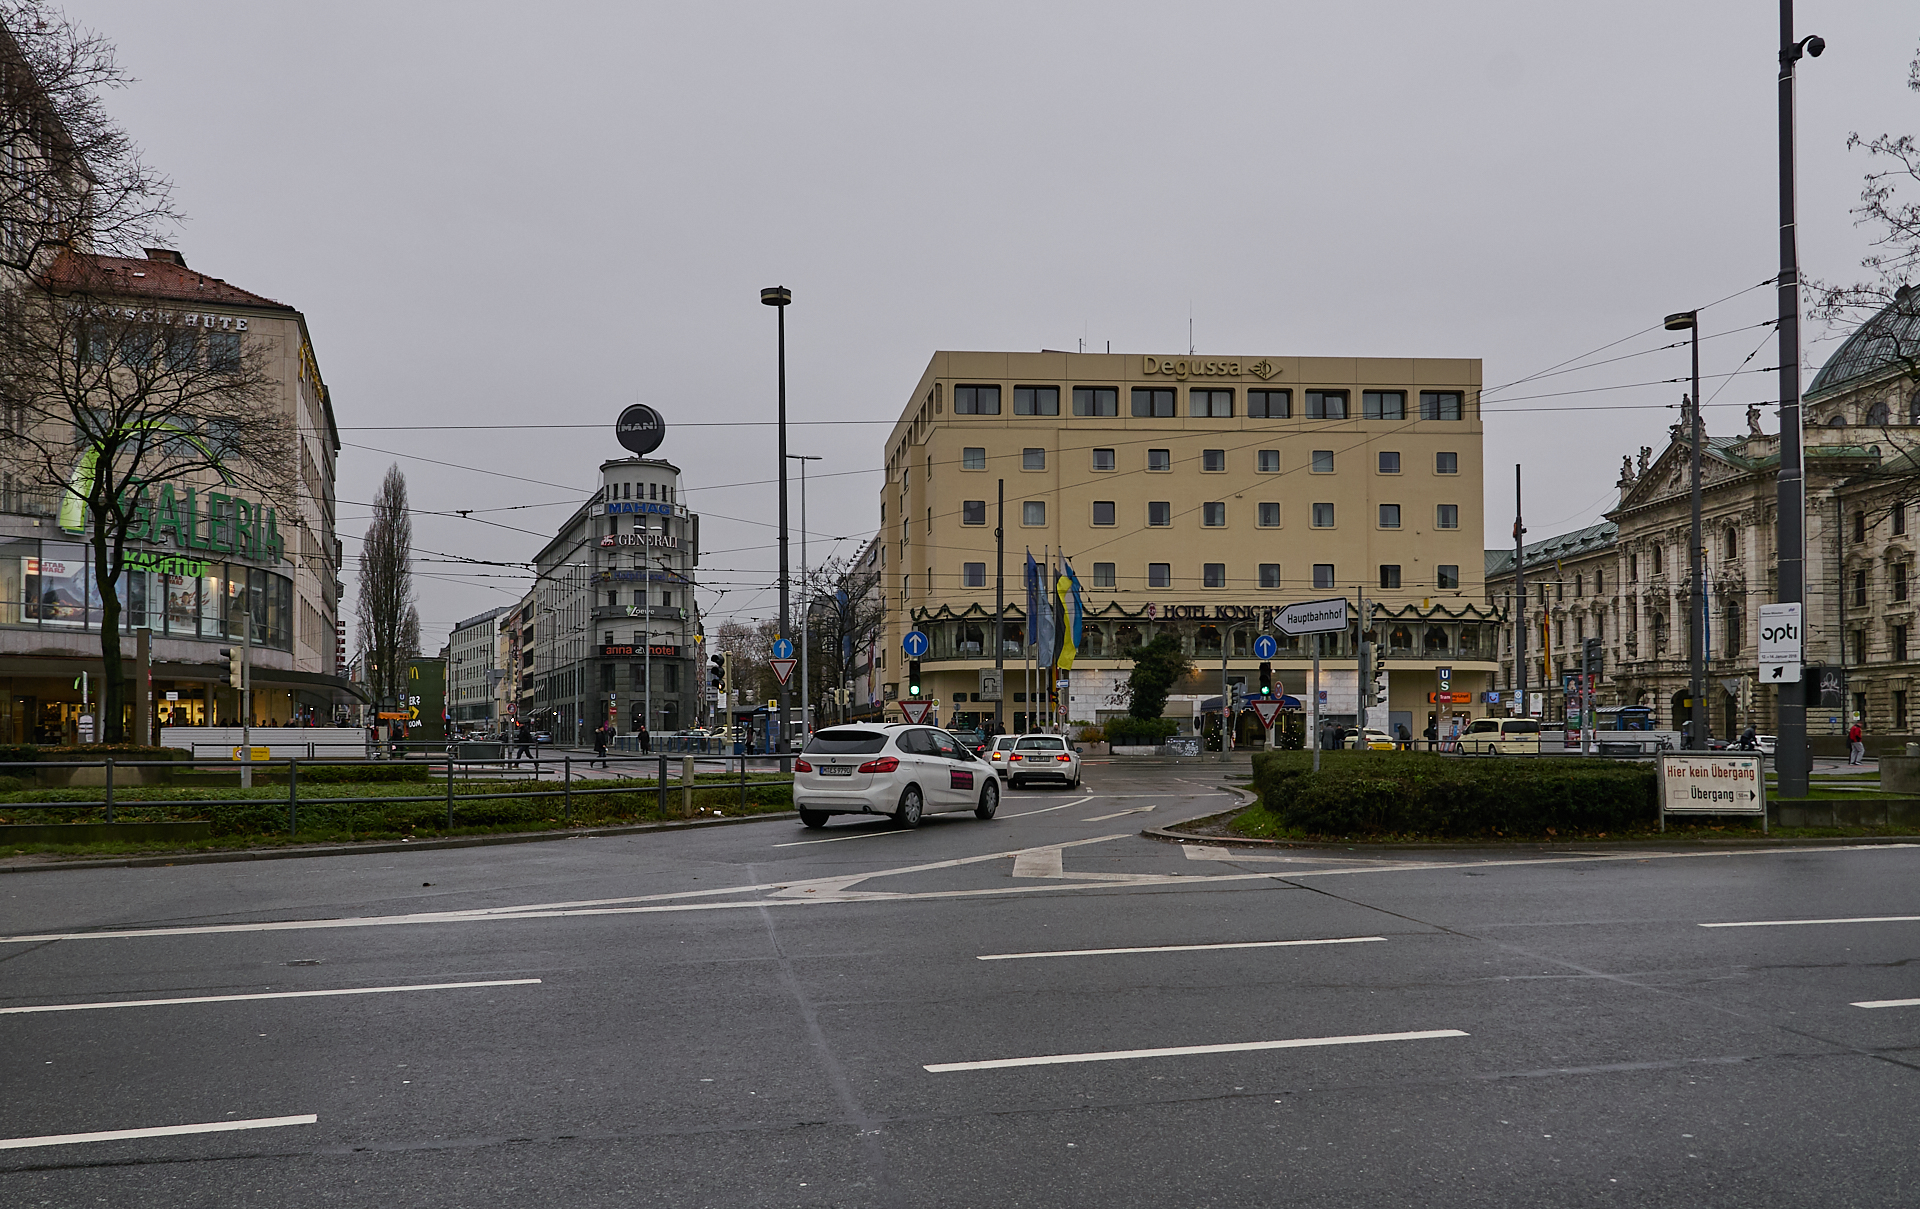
(913, 677)
(236, 665)
(1266, 680)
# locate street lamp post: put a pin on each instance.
(1689, 321)
(806, 604)
(780, 297)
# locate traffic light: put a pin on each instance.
(913, 677)
(1266, 680)
(718, 671)
(1379, 676)
(236, 665)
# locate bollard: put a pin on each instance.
(686, 787)
(449, 794)
(109, 789)
(566, 775)
(743, 784)
(293, 796)
(660, 786)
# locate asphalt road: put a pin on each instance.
(761, 1015)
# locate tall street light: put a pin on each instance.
(1689, 321)
(1791, 759)
(780, 297)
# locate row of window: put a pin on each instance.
(1207, 402)
(1214, 575)
(1212, 461)
(1033, 515)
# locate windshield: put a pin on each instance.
(846, 742)
(1520, 726)
(1042, 744)
(1484, 724)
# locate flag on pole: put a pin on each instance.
(1046, 637)
(1033, 597)
(1067, 590)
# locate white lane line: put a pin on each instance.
(1794, 923)
(1243, 944)
(1039, 862)
(158, 1131)
(1880, 1003)
(126, 1003)
(1044, 810)
(834, 839)
(1178, 1051)
(1101, 818)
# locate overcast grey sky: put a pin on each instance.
(497, 214)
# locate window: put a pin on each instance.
(1732, 549)
(223, 353)
(1578, 581)
(1879, 415)
(1899, 515)
(1214, 404)
(1033, 513)
(1159, 459)
(1389, 516)
(1103, 575)
(973, 457)
(1269, 515)
(1326, 405)
(1213, 516)
(1860, 588)
(1036, 401)
(1097, 400)
(1323, 461)
(1383, 404)
(1439, 404)
(1898, 574)
(1446, 463)
(1268, 461)
(1899, 711)
(976, 400)
(1278, 404)
(1323, 575)
(1214, 460)
(1103, 459)
(1449, 576)
(1033, 459)
(1389, 575)
(1447, 516)
(1159, 513)
(973, 512)
(1269, 575)
(973, 575)
(1389, 462)
(1323, 516)
(1858, 641)
(1103, 512)
(1152, 402)
(1859, 526)
(1658, 560)
(1159, 575)
(1599, 583)
(1213, 575)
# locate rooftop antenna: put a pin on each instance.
(1189, 327)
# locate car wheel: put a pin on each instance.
(813, 818)
(911, 804)
(989, 801)
(1076, 781)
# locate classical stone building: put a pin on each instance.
(1626, 581)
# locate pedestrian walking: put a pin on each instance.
(646, 738)
(599, 745)
(523, 740)
(1856, 744)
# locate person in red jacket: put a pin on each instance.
(1856, 745)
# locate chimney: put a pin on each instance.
(167, 255)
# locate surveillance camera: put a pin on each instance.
(1815, 45)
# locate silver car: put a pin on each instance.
(1043, 758)
(892, 769)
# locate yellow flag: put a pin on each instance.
(1063, 592)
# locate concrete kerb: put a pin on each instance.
(463, 841)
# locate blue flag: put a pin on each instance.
(1033, 597)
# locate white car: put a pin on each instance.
(890, 769)
(1001, 749)
(1043, 758)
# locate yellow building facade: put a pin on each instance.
(1193, 494)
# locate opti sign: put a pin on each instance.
(1780, 631)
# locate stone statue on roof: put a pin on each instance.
(1646, 455)
(1626, 471)
(1753, 421)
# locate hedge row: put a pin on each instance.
(1418, 793)
(28, 753)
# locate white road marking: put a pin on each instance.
(1101, 818)
(1243, 944)
(126, 1003)
(1794, 923)
(1880, 1003)
(834, 839)
(158, 1131)
(1039, 862)
(1047, 809)
(1178, 1051)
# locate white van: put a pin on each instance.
(1501, 736)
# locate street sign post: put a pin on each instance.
(1315, 617)
(916, 711)
(783, 648)
(992, 684)
(1268, 711)
(1265, 647)
(1691, 783)
(1780, 631)
(914, 644)
(783, 668)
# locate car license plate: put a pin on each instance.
(836, 770)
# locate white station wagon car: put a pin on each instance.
(893, 769)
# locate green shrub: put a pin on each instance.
(1140, 732)
(376, 773)
(1417, 793)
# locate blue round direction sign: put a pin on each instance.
(1264, 647)
(782, 648)
(914, 644)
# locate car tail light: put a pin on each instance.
(883, 764)
(1063, 758)
(1014, 756)
(802, 766)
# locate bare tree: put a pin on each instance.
(849, 612)
(749, 648)
(120, 408)
(73, 177)
(388, 619)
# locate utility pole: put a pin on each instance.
(1363, 699)
(1519, 598)
(1791, 758)
(806, 693)
(1000, 603)
(779, 297)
